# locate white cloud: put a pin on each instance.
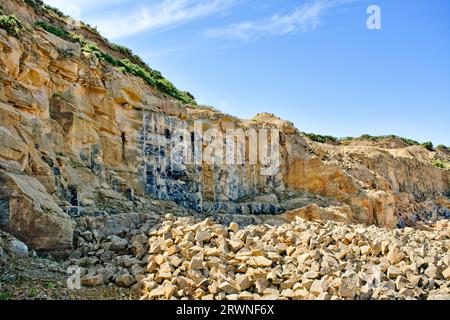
(85, 5)
(165, 14)
(304, 18)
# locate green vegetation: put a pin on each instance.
(55, 30)
(210, 108)
(441, 165)
(442, 147)
(49, 285)
(409, 142)
(428, 145)
(321, 139)
(333, 140)
(121, 49)
(32, 293)
(4, 296)
(58, 12)
(77, 164)
(39, 5)
(152, 77)
(84, 263)
(11, 24)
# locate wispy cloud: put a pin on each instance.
(150, 18)
(306, 17)
(86, 5)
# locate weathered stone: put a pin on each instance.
(348, 286)
(203, 236)
(446, 273)
(395, 254)
(32, 215)
(259, 262)
(227, 288)
(92, 280)
(118, 244)
(124, 280)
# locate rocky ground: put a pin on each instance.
(181, 258)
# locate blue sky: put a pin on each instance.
(313, 62)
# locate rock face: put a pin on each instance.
(81, 140)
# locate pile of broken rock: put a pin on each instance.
(186, 259)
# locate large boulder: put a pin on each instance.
(29, 213)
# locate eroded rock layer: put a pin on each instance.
(81, 139)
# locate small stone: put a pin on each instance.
(169, 291)
(432, 272)
(348, 286)
(87, 235)
(446, 273)
(159, 259)
(243, 282)
(395, 254)
(260, 261)
(438, 295)
(236, 244)
(246, 296)
(401, 282)
(318, 287)
(311, 274)
(365, 293)
(18, 248)
(234, 227)
(393, 272)
(376, 249)
(157, 292)
(227, 288)
(118, 244)
(232, 297)
(196, 263)
(92, 280)
(124, 280)
(203, 236)
(175, 261)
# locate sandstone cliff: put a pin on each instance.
(82, 140)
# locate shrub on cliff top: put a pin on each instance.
(152, 77)
(54, 30)
(320, 138)
(11, 24)
(409, 142)
(121, 49)
(428, 145)
(441, 165)
(39, 5)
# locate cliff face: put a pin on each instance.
(81, 138)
